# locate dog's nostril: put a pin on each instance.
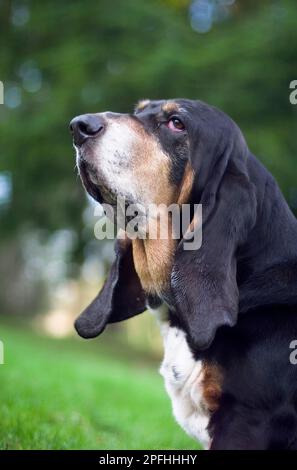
(88, 128)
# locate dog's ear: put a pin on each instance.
(121, 297)
(203, 282)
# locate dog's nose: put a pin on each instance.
(85, 126)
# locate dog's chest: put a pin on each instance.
(194, 387)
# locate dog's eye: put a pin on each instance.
(175, 124)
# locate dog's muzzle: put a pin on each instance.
(86, 126)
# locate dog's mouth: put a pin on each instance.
(98, 187)
(88, 177)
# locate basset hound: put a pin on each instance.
(228, 309)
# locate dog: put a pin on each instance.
(228, 310)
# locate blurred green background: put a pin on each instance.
(60, 59)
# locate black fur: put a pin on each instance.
(258, 406)
(121, 297)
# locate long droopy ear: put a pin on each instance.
(121, 297)
(203, 282)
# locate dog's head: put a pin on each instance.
(140, 157)
(176, 151)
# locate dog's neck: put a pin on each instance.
(153, 261)
(153, 257)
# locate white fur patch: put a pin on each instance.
(183, 377)
(113, 159)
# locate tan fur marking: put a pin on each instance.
(186, 185)
(153, 259)
(141, 105)
(212, 386)
(153, 262)
(154, 171)
(169, 107)
(151, 168)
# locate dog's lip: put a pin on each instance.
(90, 187)
(98, 191)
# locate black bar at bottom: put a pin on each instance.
(139, 458)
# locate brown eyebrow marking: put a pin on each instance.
(170, 107)
(142, 104)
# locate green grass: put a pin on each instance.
(73, 394)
